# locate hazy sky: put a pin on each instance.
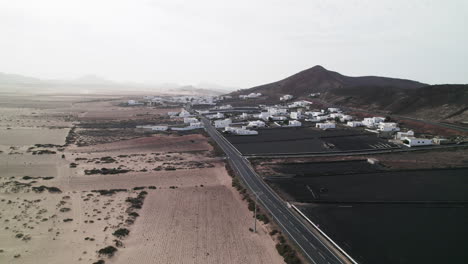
(235, 43)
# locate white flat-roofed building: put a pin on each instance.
(222, 123)
(257, 123)
(355, 124)
(133, 102)
(336, 115)
(346, 118)
(401, 135)
(415, 142)
(196, 125)
(322, 118)
(301, 103)
(295, 115)
(277, 111)
(286, 97)
(172, 113)
(264, 116)
(372, 122)
(388, 127)
(215, 116)
(241, 131)
(294, 123)
(326, 125)
(334, 110)
(184, 113)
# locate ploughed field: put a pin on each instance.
(390, 234)
(307, 140)
(438, 185)
(377, 214)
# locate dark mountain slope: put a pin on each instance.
(319, 79)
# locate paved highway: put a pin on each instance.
(314, 249)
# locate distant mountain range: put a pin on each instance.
(397, 96)
(15, 83)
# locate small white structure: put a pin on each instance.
(257, 123)
(277, 111)
(333, 110)
(355, 124)
(295, 115)
(133, 102)
(222, 123)
(388, 127)
(401, 135)
(188, 120)
(294, 123)
(327, 125)
(172, 113)
(154, 128)
(415, 142)
(286, 97)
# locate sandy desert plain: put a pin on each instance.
(173, 195)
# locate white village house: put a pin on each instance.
(401, 135)
(415, 142)
(257, 123)
(326, 125)
(294, 123)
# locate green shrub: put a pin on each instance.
(121, 232)
(107, 251)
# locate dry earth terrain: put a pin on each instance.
(155, 198)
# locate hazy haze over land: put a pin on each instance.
(236, 43)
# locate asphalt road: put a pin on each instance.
(314, 249)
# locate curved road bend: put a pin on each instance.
(314, 249)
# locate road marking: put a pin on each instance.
(321, 254)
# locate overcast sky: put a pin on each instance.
(239, 43)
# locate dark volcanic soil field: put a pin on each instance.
(383, 186)
(306, 140)
(395, 234)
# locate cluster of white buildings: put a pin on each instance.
(250, 95)
(180, 99)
